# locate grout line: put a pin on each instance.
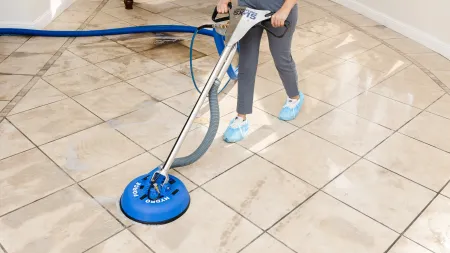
(109, 237)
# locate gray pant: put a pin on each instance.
(280, 48)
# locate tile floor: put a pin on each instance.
(364, 168)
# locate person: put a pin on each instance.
(280, 48)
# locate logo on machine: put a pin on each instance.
(135, 189)
(245, 12)
(148, 201)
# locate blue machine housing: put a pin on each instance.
(140, 201)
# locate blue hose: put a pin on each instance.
(218, 39)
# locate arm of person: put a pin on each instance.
(281, 15)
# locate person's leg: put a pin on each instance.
(248, 62)
(280, 49)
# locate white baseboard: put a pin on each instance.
(42, 21)
(407, 30)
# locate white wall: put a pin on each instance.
(425, 21)
(30, 13)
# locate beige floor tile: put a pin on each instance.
(205, 8)
(8, 48)
(303, 38)
(380, 194)
(441, 107)
(349, 131)
(382, 32)
(410, 86)
(122, 242)
(311, 108)
(263, 88)
(405, 245)
(171, 54)
(265, 129)
(42, 45)
(138, 16)
(446, 191)
(253, 195)
(190, 3)
(150, 126)
(68, 221)
(431, 228)
(185, 102)
(151, 19)
(360, 20)
(355, 74)
(431, 129)
(414, 160)
(81, 80)
(324, 3)
(24, 63)
(73, 16)
(58, 25)
(206, 217)
(41, 93)
(61, 119)
(101, 51)
(27, 177)
(220, 157)
(383, 59)
(324, 219)
(3, 57)
(67, 61)
(157, 6)
(340, 10)
(118, 177)
(111, 4)
(91, 151)
(11, 140)
(266, 244)
(10, 85)
(408, 46)
(328, 90)
(182, 14)
(346, 45)
(130, 66)
(381, 110)
(87, 6)
(318, 162)
(202, 68)
(163, 84)
(115, 100)
(3, 104)
(310, 13)
(14, 39)
(327, 26)
(105, 21)
(432, 61)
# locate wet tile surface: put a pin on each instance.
(431, 228)
(34, 174)
(44, 220)
(91, 151)
(61, 119)
(100, 111)
(230, 231)
(413, 159)
(254, 195)
(349, 131)
(323, 218)
(395, 201)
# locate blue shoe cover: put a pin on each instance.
(236, 131)
(289, 113)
